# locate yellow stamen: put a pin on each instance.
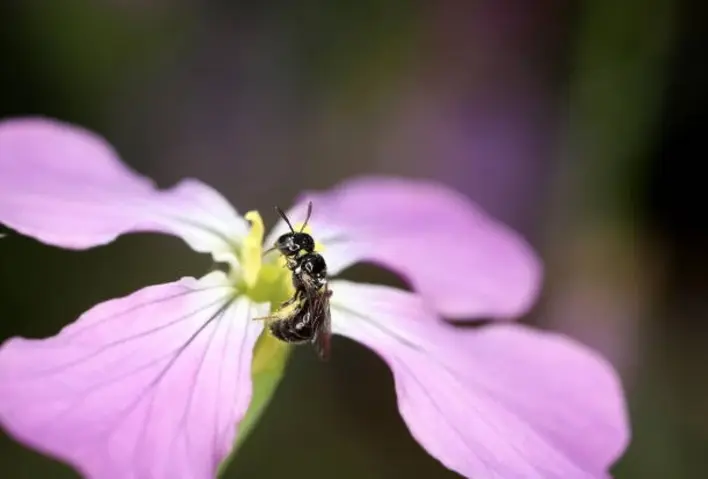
(252, 249)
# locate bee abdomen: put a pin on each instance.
(292, 331)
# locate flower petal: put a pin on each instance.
(465, 263)
(67, 187)
(150, 385)
(502, 401)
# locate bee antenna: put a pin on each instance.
(307, 218)
(282, 215)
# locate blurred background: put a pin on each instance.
(580, 123)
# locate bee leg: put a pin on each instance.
(287, 303)
(299, 293)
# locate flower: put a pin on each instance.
(157, 384)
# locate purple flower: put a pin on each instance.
(156, 384)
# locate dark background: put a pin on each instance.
(582, 124)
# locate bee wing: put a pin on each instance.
(323, 337)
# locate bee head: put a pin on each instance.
(291, 244)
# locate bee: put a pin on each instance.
(305, 317)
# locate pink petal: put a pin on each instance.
(67, 187)
(502, 401)
(462, 261)
(149, 385)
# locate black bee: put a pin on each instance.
(309, 320)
